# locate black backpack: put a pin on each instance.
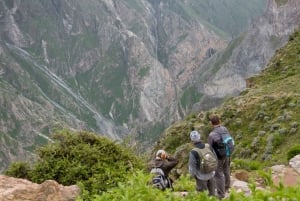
(224, 146)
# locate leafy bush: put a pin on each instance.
(18, 170)
(94, 161)
(185, 184)
(277, 139)
(293, 152)
(137, 188)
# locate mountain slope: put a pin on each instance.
(264, 119)
(111, 66)
(225, 17)
(225, 74)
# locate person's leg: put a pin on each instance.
(211, 187)
(220, 179)
(169, 183)
(201, 185)
(227, 173)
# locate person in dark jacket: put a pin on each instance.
(222, 176)
(164, 161)
(203, 181)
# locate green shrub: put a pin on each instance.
(278, 138)
(18, 170)
(82, 157)
(184, 184)
(137, 188)
(266, 175)
(293, 152)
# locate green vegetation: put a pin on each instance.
(281, 2)
(109, 94)
(188, 12)
(105, 171)
(19, 170)
(264, 119)
(189, 96)
(95, 162)
(293, 152)
(136, 188)
(223, 56)
(247, 164)
(144, 71)
(49, 90)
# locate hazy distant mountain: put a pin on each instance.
(117, 67)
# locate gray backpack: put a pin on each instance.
(159, 179)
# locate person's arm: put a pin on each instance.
(210, 140)
(172, 162)
(192, 164)
(168, 164)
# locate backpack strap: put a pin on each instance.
(195, 153)
(199, 152)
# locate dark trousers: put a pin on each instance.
(206, 185)
(222, 176)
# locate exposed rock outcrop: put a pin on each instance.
(249, 54)
(13, 189)
(288, 175)
(113, 67)
(295, 163)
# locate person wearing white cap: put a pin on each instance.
(204, 180)
(164, 162)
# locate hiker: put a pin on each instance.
(197, 156)
(215, 140)
(162, 165)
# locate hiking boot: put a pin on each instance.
(220, 197)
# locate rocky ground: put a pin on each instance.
(288, 175)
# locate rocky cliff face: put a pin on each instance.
(112, 66)
(226, 73)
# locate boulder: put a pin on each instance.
(14, 189)
(295, 163)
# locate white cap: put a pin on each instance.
(160, 152)
(195, 136)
